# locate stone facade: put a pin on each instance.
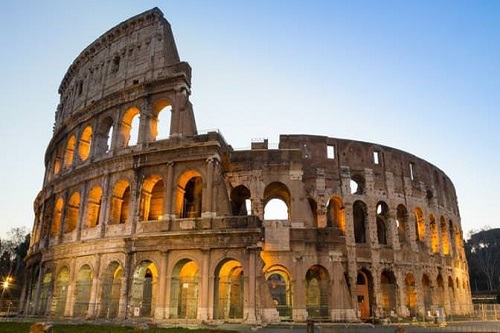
(177, 228)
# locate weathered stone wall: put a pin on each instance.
(177, 228)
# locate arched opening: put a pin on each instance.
(411, 294)
(56, 217)
(69, 152)
(189, 195)
(57, 160)
(317, 292)
(314, 210)
(277, 200)
(440, 290)
(364, 290)
(382, 221)
(184, 290)
(401, 220)
(278, 282)
(144, 289)
(93, 207)
(72, 213)
(120, 202)
(152, 198)
(160, 123)
(335, 216)
(451, 293)
(434, 234)
(419, 225)
(426, 288)
(359, 221)
(61, 292)
(45, 289)
(388, 287)
(82, 291)
(111, 288)
(104, 136)
(229, 295)
(445, 237)
(129, 131)
(85, 143)
(357, 184)
(240, 197)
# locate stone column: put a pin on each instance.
(94, 290)
(106, 202)
(299, 311)
(249, 288)
(68, 311)
(207, 210)
(82, 213)
(123, 312)
(161, 309)
(170, 188)
(205, 288)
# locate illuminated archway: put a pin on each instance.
(61, 292)
(144, 289)
(93, 207)
(445, 236)
(411, 294)
(72, 212)
(401, 221)
(120, 202)
(419, 225)
(56, 217)
(129, 128)
(82, 291)
(85, 143)
(160, 122)
(189, 195)
(184, 290)
(388, 288)
(69, 152)
(229, 292)
(364, 293)
(335, 214)
(111, 288)
(434, 234)
(278, 281)
(152, 197)
(317, 292)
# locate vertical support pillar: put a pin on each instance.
(170, 189)
(207, 198)
(94, 290)
(83, 210)
(249, 311)
(106, 201)
(205, 288)
(161, 309)
(123, 312)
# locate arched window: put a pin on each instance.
(185, 290)
(317, 292)
(445, 236)
(120, 202)
(160, 123)
(277, 201)
(411, 294)
(72, 212)
(152, 198)
(56, 217)
(129, 130)
(57, 160)
(229, 290)
(357, 184)
(85, 143)
(240, 200)
(104, 136)
(93, 207)
(401, 220)
(419, 225)
(144, 286)
(69, 151)
(335, 214)
(382, 219)
(189, 195)
(434, 234)
(359, 221)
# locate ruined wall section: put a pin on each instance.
(136, 51)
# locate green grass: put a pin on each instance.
(14, 327)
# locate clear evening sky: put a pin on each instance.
(421, 76)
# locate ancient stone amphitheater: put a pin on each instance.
(141, 216)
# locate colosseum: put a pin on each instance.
(143, 217)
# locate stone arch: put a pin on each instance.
(388, 288)
(120, 202)
(445, 236)
(420, 233)
(364, 292)
(411, 294)
(440, 290)
(434, 234)
(336, 214)
(159, 125)
(104, 136)
(229, 290)
(143, 290)
(82, 291)
(57, 217)
(93, 207)
(184, 290)
(69, 151)
(152, 198)
(111, 289)
(45, 289)
(85, 143)
(278, 194)
(61, 292)
(129, 127)
(357, 184)
(359, 212)
(240, 201)
(72, 212)
(401, 222)
(279, 284)
(426, 291)
(382, 213)
(189, 194)
(317, 292)
(58, 159)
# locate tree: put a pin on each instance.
(483, 255)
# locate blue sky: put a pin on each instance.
(421, 76)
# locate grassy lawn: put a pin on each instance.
(14, 327)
